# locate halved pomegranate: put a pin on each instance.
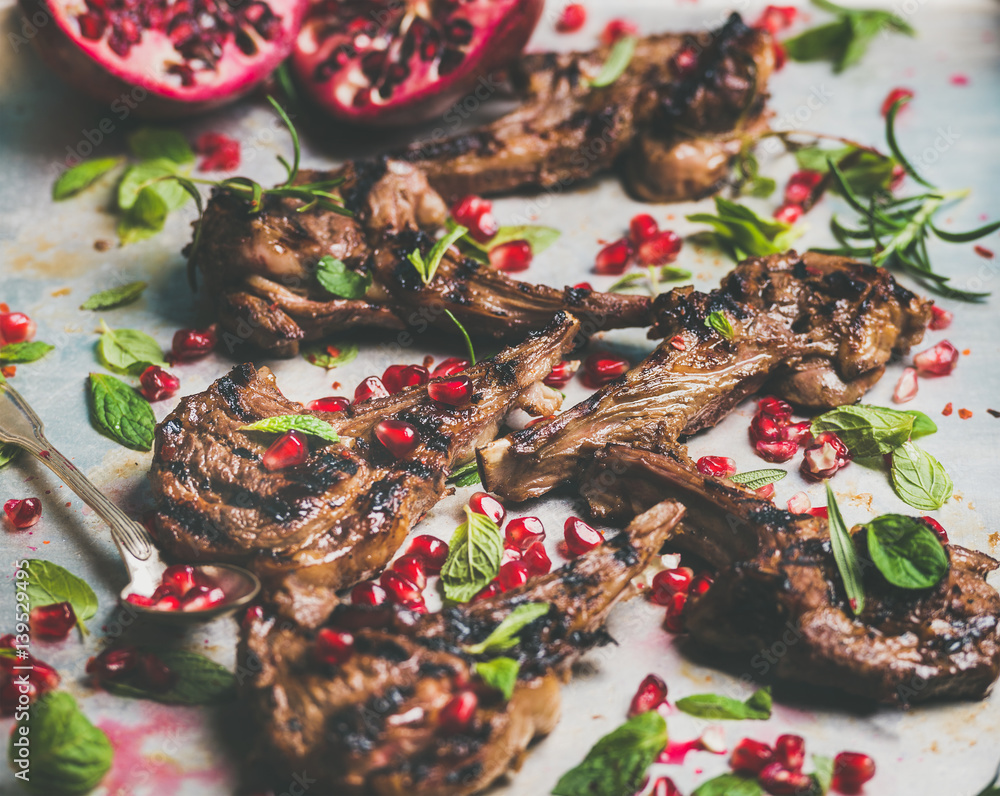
(394, 62)
(157, 58)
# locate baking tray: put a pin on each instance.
(49, 264)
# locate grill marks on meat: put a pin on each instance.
(371, 726)
(817, 329)
(339, 517)
(778, 580)
(675, 129)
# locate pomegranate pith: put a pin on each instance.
(23, 513)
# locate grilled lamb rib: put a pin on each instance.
(675, 119)
(339, 517)
(370, 726)
(817, 329)
(778, 579)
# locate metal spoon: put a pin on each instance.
(20, 425)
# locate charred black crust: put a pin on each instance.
(366, 174)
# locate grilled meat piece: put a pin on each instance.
(778, 581)
(675, 118)
(262, 266)
(311, 529)
(817, 330)
(371, 726)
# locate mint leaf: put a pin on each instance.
(339, 280)
(119, 412)
(845, 554)
(823, 773)
(199, 681)
(720, 322)
(474, 556)
(539, 238)
(148, 143)
(907, 553)
(144, 218)
(504, 636)
(20, 353)
(128, 351)
(867, 431)
(717, 707)
(428, 266)
(8, 452)
(922, 424)
(741, 233)
(50, 583)
(114, 297)
(156, 175)
(865, 172)
(69, 755)
(500, 674)
(81, 176)
(619, 57)
(729, 785)
(466, 475)
(617, 764)
(919, 478)
(755, 479)
(329, 356)
(304, 423)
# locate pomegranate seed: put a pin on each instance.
(433, 552)
(52, 622)
(616, 29)
(851, 770)
(221, 153)
(156, 384)
(669, 582)
(716, 466)
(560, 374)
(800, 186)
(824, 458)
(799, 433)
(790, 751)
(776, 452)
(775, 19)
(940, 319)
(201, 598)
(165, 590)
(664, 786)
(399, 437)
(512, 256)
(673, 623)
(43, 676)
(333, 646)
(253, 613)
(23, 513)
(788, 213)
(509, 554)
(937, 527)
(372, 387)
(492, 590)
(583, 286)
(820, 511)
(700, 585)
(537, 560)
(779, 781)
(400, 589)
(948, 409)
(906, 387)
(799, 503)
(765, 429)
(11, 693)
(168, 602)
(686, 60)
(750, 756)
(940, 360)
(140, 600)
(458, 714)
(513, 575)
(893, 97)
(523, 532)
(398, 377)
(614, 258)
(368, 593)
(600, 369)
(476, 214)
(452, 366)
(289, 450)
(775, 407)
(642, 227)
(16, 327)
(652, 693)
(180, 577)
(660, 249)
(334, 403)
(113, 664)
(580, 537)
(412, 568)
(484, 503)
(191, 344)
(572, 18)
(453, 391)
(766, 492)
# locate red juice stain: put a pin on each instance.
(959, 79)
(677, 751)
(982, 251)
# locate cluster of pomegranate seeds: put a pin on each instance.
(333, 647)
(940, 318)
(798, 191)
(773, 435)
(572, 18)
(219, 152)
(893, 97)
(939, 360)
(716, 466)
(652, 693)
(602, 368)
(779, 768)
(332, 403)
(403, 583)
(824, 458)
(23, 513)
(368, 593)
(156, 384)
(191, 344)
(52, 622)
(41, 678)
(289, 450)
(15, 327)
(511, 257)
(616, 29)
(451, 391)
(561, 373)
(476, 214)
(370, 388)
(182, 588)
(459, 713)
(646, 242)
(580, 537)
(399, 437)
(128, 663)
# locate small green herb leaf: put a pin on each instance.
(822, 773)
(922, 424)
(465, 336)
(906, 551)
(845, 554)
(329, 356)
(156, 175)
(466, 475)
(617, 764)
(428, 266)
(114, 297)
(148, 143)
(866, 172)
(198, 681)
(81, 176)
(128, 351)
(50, 583)
(474, 556)
(720, 322)
(21, 353)
(538, 237)
(338, 279)
(304, 423)
(716, 707)
(919, 478)
(8, 452)
(740, 232)
(69, 755)
(619, 57)
(868, 431)
(755, 479)
(500, 674)
(119, 412)
(504, 636)
(729, 785)
(144, 218)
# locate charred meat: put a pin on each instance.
(818, 330)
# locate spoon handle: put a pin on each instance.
(20, 425)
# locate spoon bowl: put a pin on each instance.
(239, 585)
